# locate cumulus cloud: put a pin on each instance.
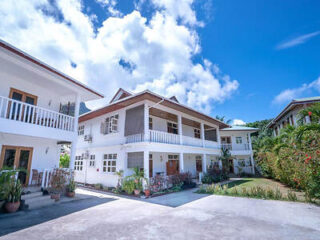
(238, 122)
(127, 51)
(290, 94)
(297, 41)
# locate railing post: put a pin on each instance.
(180, 129)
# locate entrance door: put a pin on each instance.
(230, 165)
(199, 164)
(172, 167)
(13, 157)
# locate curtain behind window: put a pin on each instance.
(134, 123)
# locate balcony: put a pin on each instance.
(22, 118)
(236, 147)
(170, 138)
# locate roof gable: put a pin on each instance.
(121, 93)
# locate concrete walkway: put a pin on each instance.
(209, 217)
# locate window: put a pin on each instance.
(78, 163)
(173, 157)
(150, 123)
(241, 163)
(81, 130)
(135, 159)
(109, 163)
(239, 140)
(92, 160)
(110, 125)
(172, 127)
(196, 132)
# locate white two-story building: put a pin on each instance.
(157, 134)
(39, 108)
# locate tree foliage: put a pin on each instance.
(64, 160)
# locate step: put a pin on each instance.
(39, 202)
(31, 195)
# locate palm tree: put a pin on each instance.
(222, 119)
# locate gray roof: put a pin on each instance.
(307, 99)
(240, 128)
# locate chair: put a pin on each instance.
(35, 176)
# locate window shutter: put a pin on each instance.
(103, 128)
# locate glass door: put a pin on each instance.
(13, 157)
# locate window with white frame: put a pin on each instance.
(150, 123)
(109, 163)
(196, 132)
(238, 140)
(92, 161)
(81, 130)
(110, 125)
(172, 127)
(78, 163)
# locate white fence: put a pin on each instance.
(236, 147)
(47, 174)
(24, 112)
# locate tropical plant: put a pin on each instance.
(58, 181)
(224, 158)
(71, 186)
(12, 191)
(128, 185)
(64, 160)
(222, 119)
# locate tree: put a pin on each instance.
(64, 160)
(222, 119)
(225, 157)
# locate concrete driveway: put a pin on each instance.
(210, 217)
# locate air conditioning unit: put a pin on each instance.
(88, 138)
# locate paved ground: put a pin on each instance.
(105, 216)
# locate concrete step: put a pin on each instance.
(31, 195)
(39, 202)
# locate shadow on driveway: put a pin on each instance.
(23, 219)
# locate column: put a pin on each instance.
(204, 163)
(146, 123)
(74, 142)
(181, 163)
(250, 144)
(180, 128)
(202, 134)
(252, 163)
(218, 137)
(146, 164)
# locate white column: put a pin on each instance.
(181, 163)
(218, 137)
(204, 163)
(180, 128)
(146, 164)
(251, 154)
(202, 134)
(250, 143)
(74, 142)
(146, 123)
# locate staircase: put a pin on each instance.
(37, 200)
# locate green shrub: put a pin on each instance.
(277, 194)
(270, 193)
(98, 186)
(128, 185)
(292, 196)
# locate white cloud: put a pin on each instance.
(290, 94)
(238, 122)
(157, 53)
(297, 41)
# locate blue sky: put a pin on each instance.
(241, 59)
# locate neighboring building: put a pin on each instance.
(39, 108)
(288, 115)
(157, 134)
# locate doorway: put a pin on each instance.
(150, 166)
(15, 157)
(26, 111)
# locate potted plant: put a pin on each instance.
(138, 177)
(147, 191)
(13, 190)
(70, 189)
(58, 181)
(137, 187)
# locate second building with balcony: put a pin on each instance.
(154, 133)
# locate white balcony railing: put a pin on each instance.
(27, 113)
(164, 137)
(191, 141)
(236, 147)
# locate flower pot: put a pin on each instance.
(147, 192)
(55, 196)
(12, 207)
(70, 194)
(137, 192)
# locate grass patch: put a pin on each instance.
(260, 188)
